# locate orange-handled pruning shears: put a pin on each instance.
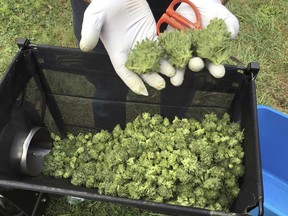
(176, 20)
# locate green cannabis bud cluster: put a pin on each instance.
(177, 47)
(184, 161)
(145, 57)
(213, 42)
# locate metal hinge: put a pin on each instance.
(252, 70)
(23, 43)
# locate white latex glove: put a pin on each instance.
(209, 9)
(120, 24)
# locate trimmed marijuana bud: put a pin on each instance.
(177, 46)
(145, 57)
(183, 161)
(213, 42)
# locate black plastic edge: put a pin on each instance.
(252, 69)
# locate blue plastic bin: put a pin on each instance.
(273, 132)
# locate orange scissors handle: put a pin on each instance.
(176, 20)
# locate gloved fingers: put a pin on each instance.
(154, 80)
(196, 64)
(132, 80)
(230, 19)
(166, 68)
(217, 71)
(92, 24)
(178, 78)
(232, 24)
(210, 9)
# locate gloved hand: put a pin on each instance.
(209, 9)
(120, 24)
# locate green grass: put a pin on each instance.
(263, 37)
(42, 21)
